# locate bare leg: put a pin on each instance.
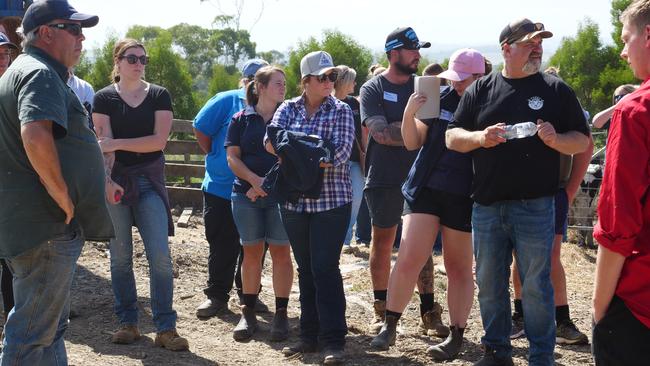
(381, 251)
(457, 252)
(282, 270)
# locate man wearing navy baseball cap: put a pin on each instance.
(7, 50)
(52, 186)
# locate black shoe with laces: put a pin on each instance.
(567, 333)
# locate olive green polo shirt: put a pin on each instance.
(34, 88)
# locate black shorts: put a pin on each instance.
(561, 211)
(454, 211)
(620, 338)
(384, 205)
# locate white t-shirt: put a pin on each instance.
(82, 88)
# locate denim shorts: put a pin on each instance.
(258, 221)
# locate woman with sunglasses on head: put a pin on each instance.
(317, 226)
(436, 198)
(132, 120)
(256, 213)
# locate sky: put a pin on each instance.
(281, 24)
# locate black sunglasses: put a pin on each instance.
(72, 28)
(332, 76)
(132, 59)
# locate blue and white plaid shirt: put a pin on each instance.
(332, 121)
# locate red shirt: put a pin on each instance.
(624, 206)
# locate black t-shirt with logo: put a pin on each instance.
(520, 168)
(387, 166)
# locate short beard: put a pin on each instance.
(532, 67)
(404, 69)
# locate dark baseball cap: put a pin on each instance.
(404, 37)
(4, 40)
(45, 11)
(522, 30)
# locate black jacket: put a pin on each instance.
(299, 174)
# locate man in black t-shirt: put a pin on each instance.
(515, 181)
(383, 99)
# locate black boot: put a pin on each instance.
(280, 326)
(247, 324)
(450, 347)
(387, 334)
(490, 359)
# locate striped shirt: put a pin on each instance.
(332, 121)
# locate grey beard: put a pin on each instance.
(531, 67)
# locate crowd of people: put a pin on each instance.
(492, 177)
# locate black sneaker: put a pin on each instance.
(517, 330)
(568, 333)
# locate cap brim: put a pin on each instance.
(324, 70)
(453, 75)
(9, 44)
(87, 20)
(425, 44)
(529, 36)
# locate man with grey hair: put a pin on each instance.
(517, 123)
(52, 182)
(621, 303)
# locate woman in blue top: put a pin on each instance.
(436, 196)
(256, 213)
(317, 226)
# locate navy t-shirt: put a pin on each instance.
(356, 113)
(247, 131)
(520, 168)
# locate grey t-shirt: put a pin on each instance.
(33, 89)
(387, 166)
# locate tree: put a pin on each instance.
(343, 49)
(223, 78)
(617, 8)
(231, 43)
(273, 57)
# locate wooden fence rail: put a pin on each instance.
(183, 176)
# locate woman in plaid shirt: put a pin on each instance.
(317, 227)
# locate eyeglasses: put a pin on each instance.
(132, 59)
(72, 28)
(332, 76)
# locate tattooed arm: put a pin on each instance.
(383, 132)
(103, 129)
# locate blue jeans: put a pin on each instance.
(527, 227)
(358, 182)
(42, 280)
(149, 216)
(316, 240)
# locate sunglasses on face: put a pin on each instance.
(332, 76)
(72, 28)
(132, 59)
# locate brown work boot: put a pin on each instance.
(127, 334)
(171, 340)
(431, 323)
(380, 317)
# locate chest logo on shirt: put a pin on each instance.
(535, 103)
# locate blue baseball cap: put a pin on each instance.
(45, 11)
(251, 66)
(4, 40)
(404, 37)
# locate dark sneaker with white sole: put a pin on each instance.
(568, 333)
(517, 330)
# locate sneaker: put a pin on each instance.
(568, 333)
(490, 359)
(380, 316)
(517, 330)
(333, 357)
(431, 323)
(127, 334)
(210, 308)
(171, 340)
(300, 347)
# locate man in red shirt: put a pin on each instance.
(621, 303)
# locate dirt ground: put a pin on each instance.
(211, 342)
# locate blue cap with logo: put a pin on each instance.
(404, 37)
(45, 11)
(251, 66)
(4, 40)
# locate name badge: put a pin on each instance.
(391, 97)
(446, 115)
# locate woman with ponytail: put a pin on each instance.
(255, 211)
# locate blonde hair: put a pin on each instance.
(119, 50)
(346, 75)
(637, 13)
(262, 77)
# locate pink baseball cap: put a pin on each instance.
(463, 63)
